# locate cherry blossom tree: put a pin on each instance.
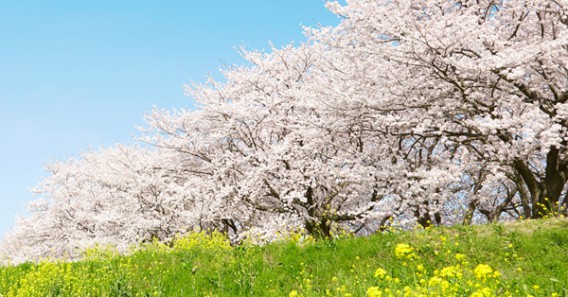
(265, 142)
(479, 83)
(409, 111)
(118, 196)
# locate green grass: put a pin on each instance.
(531, 258)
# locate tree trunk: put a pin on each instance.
(319, 228)
(469, 213)
(546, 193)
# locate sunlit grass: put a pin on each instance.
(519, 259)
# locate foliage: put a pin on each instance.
(520, 259)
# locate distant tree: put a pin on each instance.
(117, 196)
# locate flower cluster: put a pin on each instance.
(454, 274)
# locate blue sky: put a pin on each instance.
(76, 75)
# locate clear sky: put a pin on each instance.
(76, 75)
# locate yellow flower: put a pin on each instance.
(407, 291)
(484, 292)
(451, 271)
(435, 281)
(374, 292)
(403, 250)
(483, 271)
(445, 285)
(294, 293)
(380, 273)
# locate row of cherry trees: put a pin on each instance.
(423, 111)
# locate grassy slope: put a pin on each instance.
(531, 257)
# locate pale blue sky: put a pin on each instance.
(80, 74)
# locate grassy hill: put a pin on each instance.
(528, 258)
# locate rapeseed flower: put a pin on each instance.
(374, 292)
(403, 250)
(483, 272)
(451, 271)
(483, 292)
(380, 273)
